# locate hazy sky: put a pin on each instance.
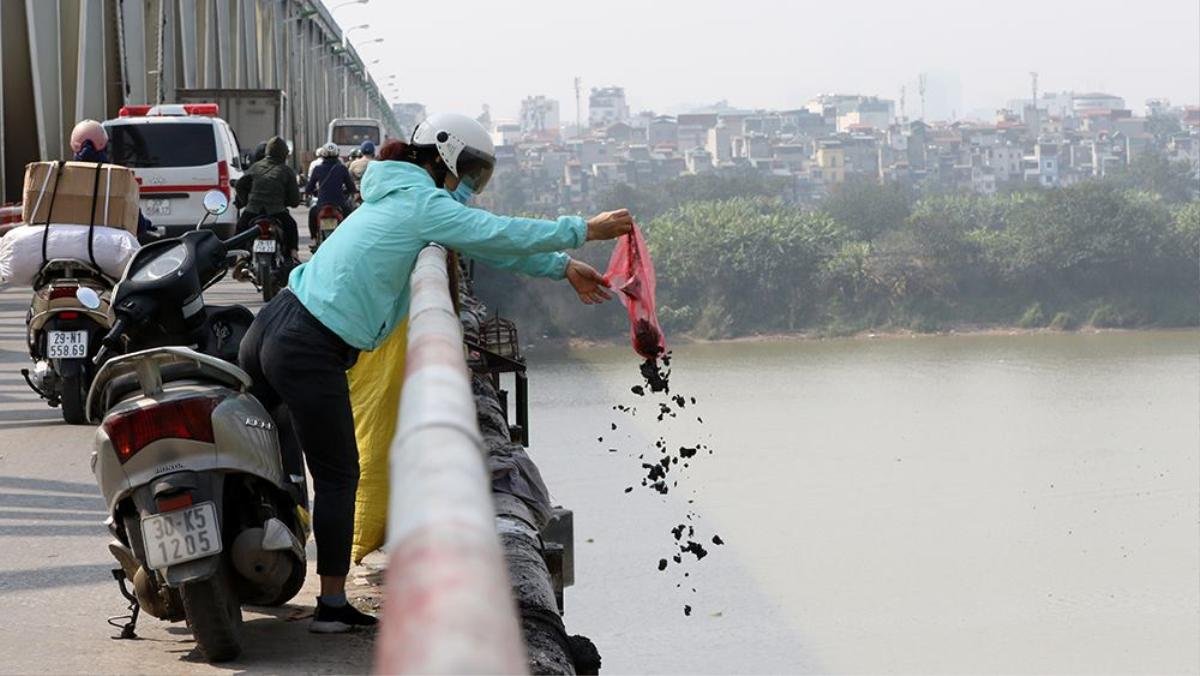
(669, 54)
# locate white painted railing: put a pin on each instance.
(448, 605)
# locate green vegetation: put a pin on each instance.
(735, 259)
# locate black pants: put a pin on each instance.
(296, 360)
(291, 231)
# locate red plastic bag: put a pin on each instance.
(631, 274)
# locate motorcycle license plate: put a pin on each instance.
(264, 246)
(66, 344)
(182, 535)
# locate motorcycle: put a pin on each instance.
(203, 515)
(329, 217)
(272, 262)
(63, 333)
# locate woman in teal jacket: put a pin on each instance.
(355, 290)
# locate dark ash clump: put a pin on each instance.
(658, 378)
(695, 548)
(647, 340)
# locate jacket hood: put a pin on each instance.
(277, 148)
(384, 178)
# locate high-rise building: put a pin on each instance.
(539, 117)
(606, 105)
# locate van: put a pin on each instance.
(348, 133)
(178, 152)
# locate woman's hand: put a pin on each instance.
(609, 225)
(588, 283)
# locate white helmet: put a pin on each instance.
(464, 145)
(330, 150)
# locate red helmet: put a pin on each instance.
(89, 130)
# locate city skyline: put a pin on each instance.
(767, 54)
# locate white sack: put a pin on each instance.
(21, 250)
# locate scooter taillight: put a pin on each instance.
(63, 292)
(264, 228)
(131, 431)
(170, 503)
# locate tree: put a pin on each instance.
(1156, 173)
(867, 209)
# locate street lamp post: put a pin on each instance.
(347, 4)
(346, 47)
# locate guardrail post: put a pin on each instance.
(448, 605)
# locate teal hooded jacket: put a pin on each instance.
(357, 282)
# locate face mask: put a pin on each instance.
(463, 193)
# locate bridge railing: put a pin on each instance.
(448, 605)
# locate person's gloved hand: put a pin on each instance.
(609, 225)
(588, 283)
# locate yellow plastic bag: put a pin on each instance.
(375, 384)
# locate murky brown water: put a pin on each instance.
(1021, 504)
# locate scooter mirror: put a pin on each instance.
(215, 202)
(87, 297)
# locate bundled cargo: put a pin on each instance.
(24, 250)
(83, 193)
(80, 210)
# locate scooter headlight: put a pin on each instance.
(161, 265)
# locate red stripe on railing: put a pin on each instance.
(10, 214)
(449, 607)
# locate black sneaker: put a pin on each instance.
(339, 619)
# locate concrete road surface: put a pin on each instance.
(56, 589)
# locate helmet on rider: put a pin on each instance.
(463, 145)
(88, 130)
(367, 149)
(330, 150)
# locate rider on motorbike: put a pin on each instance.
(359, 166)
(333, 185)
(89, 143)
(268, 188)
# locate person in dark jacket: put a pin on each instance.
(332, 183)
(268, 188)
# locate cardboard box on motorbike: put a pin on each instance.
(80, 193)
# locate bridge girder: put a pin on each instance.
(65, 60)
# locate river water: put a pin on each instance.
(975, 504)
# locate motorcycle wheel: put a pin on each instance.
(74, 394)
(215, 615)
(267, 280)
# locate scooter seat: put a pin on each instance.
(124, 385)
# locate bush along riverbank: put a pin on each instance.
(870, 258)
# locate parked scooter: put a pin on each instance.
(63, 333)
(204, 516)
(272, 262)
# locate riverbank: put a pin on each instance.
(577, 342)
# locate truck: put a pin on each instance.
(254, 114)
